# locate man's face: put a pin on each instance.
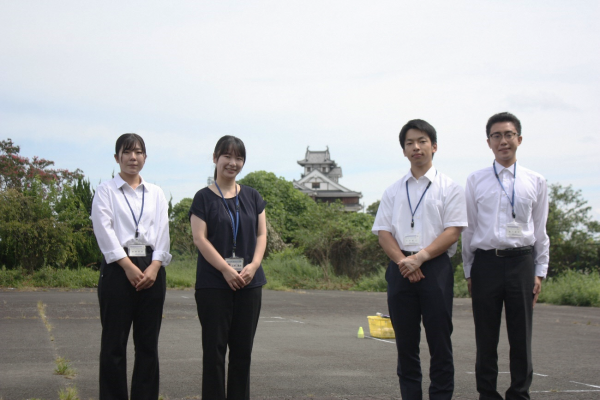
(418, 148)
(505, 150)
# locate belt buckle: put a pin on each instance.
(498, 255)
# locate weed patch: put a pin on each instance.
(64, 368)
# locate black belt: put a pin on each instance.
(408, 253)
(512, 252)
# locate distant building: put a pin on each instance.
(320, 181)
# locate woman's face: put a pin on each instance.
(228, 165)
(131, 161)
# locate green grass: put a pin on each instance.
(68, 393)
(572, 288)
(64, 368)
(49, 278)
(289, 270)
(181, 273)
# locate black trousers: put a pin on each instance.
(431, 298)
(498, 281)
(120, 307)
(229, 319)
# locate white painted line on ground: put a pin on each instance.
(381, 340)
(539, 374)
(280, 319)
(563, 391)
(586, 384)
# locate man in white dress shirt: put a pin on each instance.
(505, 256)
(418, 223)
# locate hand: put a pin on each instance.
(133, 273)
(537, 288)
(469, 286)
(149, 276)
(233, 278)
(248, 272)
(416, 276)
(408, 265)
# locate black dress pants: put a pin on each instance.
(228, 318)
(120, 307)
(431, 298)
(498, 281)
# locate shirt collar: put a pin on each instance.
(430, 174)
(120, 182)
(500, 168)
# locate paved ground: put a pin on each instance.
(306, 348)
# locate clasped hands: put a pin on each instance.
(410, 267)
(237, 280)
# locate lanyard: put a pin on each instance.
(412, 213)
(137, 221)
(512, 202)
(234, 225)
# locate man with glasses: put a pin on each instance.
(505, 253)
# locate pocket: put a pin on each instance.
(488, 202)
(523, 209)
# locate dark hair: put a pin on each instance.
(229, 145)
(503, 117)
(127, 141)
(419, 125)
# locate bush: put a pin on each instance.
(572, 288)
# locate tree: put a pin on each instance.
(44, 213)
(373, 208)
(17, 172)
(285, 204)
(572, 230)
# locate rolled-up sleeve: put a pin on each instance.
(539, 214)
(103, 223)
(163, 240)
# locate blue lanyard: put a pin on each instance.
(137, 221)
(234, 225)
(512, 202)
(412, 213)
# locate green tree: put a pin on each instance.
(572, 230)
(44, 213)
(285, 204)
(372, 209)
(180, 230)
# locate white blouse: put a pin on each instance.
(115, 227)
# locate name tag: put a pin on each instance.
(137, 250)
(514, 230)
(236, 263)
(412, 239)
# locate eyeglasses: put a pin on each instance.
(508, 135)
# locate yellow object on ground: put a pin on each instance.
(361, 333)
(380, 327)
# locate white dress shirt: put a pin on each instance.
(115, 228)
(443, 206)
(489, 212)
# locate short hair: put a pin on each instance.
(229, 145)
(503, 117)
(127, 141)
(419, 125)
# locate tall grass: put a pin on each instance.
(290, 269)
(572, 288)
(49, 278)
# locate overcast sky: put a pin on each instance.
(284, 75)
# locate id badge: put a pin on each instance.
(412, 239)
(137, 250)
(513, 229)
(236, 263)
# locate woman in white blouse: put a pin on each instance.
(131, 225)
